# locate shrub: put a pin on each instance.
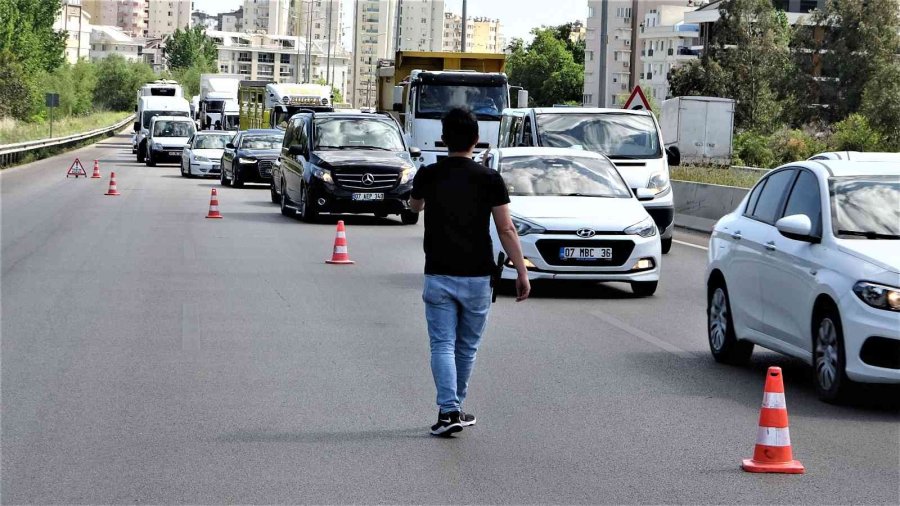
(855, 133)
(753, 150)
(792, 145)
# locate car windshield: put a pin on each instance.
(562, 175)
(211, 141)
(614, 135)
(173, 129)
(262, 142)
(865, 207)
(435, 100)
(149, 115)
(357, 133)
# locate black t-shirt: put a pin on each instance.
(459, 195)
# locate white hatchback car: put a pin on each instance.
(577, 218)
(809, 265)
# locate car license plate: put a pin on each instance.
(368, 196)
(174, 153)
(585, 253)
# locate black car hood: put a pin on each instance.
(356, 157)
(258, 153)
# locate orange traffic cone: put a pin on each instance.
(341, 255)
(214, 205)
(773, 440)
(112, 185)
(96, 174)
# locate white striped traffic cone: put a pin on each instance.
(773, 452)
(214, 205)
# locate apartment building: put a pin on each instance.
(706, 15)
(665, 41)
(208, 21)
(103, 12)
(421, 25)
(280, 58)
(108, 40)
(373, 40)
(317, 17)
(267, 16)
(611, 61)
(76, 22)
(484, 35)
(231, 21)
(166, 16)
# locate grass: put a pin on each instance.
(12, 131)
(726, 176)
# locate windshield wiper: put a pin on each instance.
(868, 234)
(332, 147)
(379, 148)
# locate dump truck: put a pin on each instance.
(264, 104)
(418, 88)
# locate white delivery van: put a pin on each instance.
(167, 138)
(630, 139)
(148, 108)
(701, 128)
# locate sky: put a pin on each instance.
(517, 16)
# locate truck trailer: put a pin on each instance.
(218, 104)
(700, 128)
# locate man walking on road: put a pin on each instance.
(459, 197)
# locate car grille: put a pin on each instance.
(621, 250)
(353, 180)
(265, 168)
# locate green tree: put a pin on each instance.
(881, 104)
(546, 69)
(118, 81)
(190, 47)
(26, 32)
(854, 133)
(14, 89)
(563, 33)
(189, 77)
(338, 97)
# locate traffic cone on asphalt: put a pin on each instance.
(112, 185)
(214, 205)
(340, 255)
(96, 174)
(773, 440)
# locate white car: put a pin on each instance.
(202, 156)
(857, 156)
(577, 218)
(809, 265)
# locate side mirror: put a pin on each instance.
(673, 155)
(415, 152)
(229, 145)
(137, 126)
(398, 99)
(797, 227)
(522, 98)
(296, 150)
(645, 194)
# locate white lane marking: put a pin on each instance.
(774, 400)
(640, 334)
(772, 436)
(704, 248)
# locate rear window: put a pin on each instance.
(167, 128)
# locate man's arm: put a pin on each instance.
(509, 238)
(417, 205)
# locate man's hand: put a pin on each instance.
(523, 287)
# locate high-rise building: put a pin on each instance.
(232, 21)
(483, 35)
(103, 12)
(75, 21)
(421, 25)
(166, 16)
(373, 40)
(267, 16)
(665, 41)
(316, 18)
(129, 15)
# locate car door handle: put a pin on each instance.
(736, 236)
(770, 246)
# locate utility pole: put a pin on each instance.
(465, 23)
(328, 79)
(298, 6)
(309, 19)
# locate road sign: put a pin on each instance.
(637, 101)
(51, 99)
(76, 169)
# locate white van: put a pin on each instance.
(167, 137)
(150, 107)
(630, 139)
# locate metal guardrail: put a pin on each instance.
(12, 153)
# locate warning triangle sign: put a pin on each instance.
(76, 169)
(637, 101)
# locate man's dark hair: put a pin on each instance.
(460, 129)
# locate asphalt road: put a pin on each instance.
(150, 355)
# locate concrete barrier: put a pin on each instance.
(698, 205)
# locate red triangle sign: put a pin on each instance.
(76, 169)
(637, 101)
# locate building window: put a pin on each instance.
(265, 58)
(590, 15)
(285, 59)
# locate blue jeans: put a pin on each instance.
(456, 309)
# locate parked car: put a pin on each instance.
(167, 138)
(344, 162)
(809, 265)
(577, 218)
(857, 156)
(249, 157)
(203, 154)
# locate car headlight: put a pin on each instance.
(524, 227)
(407, 175)
(878, 296)
(247, 161)
(322, 174)
(643, 228)
(201, 159)
(659, 182)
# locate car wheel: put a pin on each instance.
(235, 178)
(666, 245)
(273, 194)
(723, 342)
(644, 288)
(183, 173)
(309, 210)
(141, 151)
(224, 181)
(411, 218)
(829, 361)
(286, 202)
